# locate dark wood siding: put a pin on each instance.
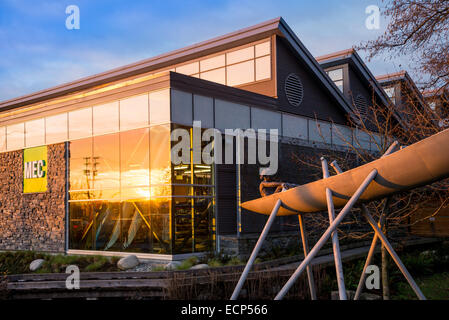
(317, 101)
(226, 198)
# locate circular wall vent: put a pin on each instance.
(293, 89)
(361, 104)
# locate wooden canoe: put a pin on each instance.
(419, 164)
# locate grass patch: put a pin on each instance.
(18, 262)
(434, 287)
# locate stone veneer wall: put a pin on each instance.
(34, 221)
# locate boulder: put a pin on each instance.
(128, 262)
(199, 266)
(36, 264)
(172, 265)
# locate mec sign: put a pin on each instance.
(35, 170)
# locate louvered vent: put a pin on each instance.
(293, 89)
(362, 105)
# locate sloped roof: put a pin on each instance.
(275, 26)
(404, 77)
(351, 56)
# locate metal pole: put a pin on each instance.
(346, 209)
(305, 247)
(393, 147)
(256, 250)
(393, 254)
(335, 242)
(371, 249)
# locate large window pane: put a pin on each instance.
(105, 118)
(240, 55)
(320, 131)
(263, 49)
(217, 76)
(2, 139)
(182, 213)
(35, 133)
(212, 63)
(230, 115)
(294, 127)
(81, 165)
(160, 166)
(182, 111)
(265, 119)
(188, 69)
(263, 68)
(80, 123)
(240, 73)
(203, 110)
(134, 159)
(56, 128)
(106, 165)
(134, 112)
(15, 136)
(160, 106)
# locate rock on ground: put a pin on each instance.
(199, 266)
(36, 264)
(128, 262)
(172, 265)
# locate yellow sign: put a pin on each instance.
(35, 170)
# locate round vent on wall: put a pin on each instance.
(362, 105)
(293, 89)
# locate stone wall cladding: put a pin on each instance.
(34, 221)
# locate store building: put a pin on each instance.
(86, 167)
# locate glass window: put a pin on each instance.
(336, 74)
(134, 112)
(35, 133)
(217, 76)
(240, 73)
(337, 77)
(203, 110)
(160, 106)
(106, 165)
(134, 163)
(230, 115)
(391, 94)
(105, 118)
(264, 119)
(240, 55)
(81, 165)
(319, 131)
(56, 128)
(339, 85)
(263, 68)
(182, 111)
(15, 136)
(212, 63)
(160, 166)
(263, 49)
(361, 139)
(189, 69)
(2, 139)
(294, 126)
(341, 135)
(80, 123)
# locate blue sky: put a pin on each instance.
(37, 51)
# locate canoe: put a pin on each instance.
(419, 164)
